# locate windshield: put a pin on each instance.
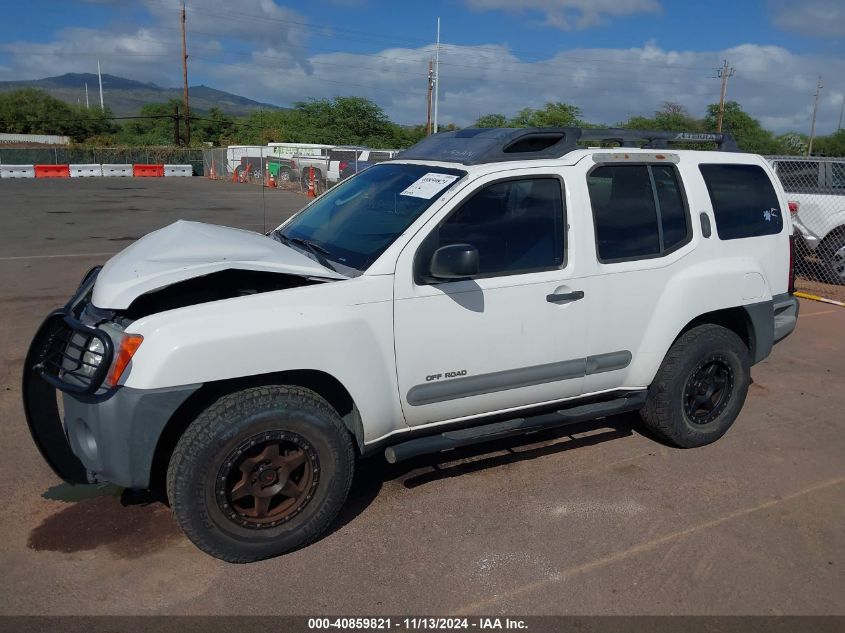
(355, 222)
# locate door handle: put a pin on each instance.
(565, 297)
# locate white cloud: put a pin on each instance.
(569, 14)
(772, 84)
(813, 18)
(608, 84)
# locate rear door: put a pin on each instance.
(641, 233)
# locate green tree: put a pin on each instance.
(155, 125)
(553, 114)
(671, 117)
(32, 111)
(491, 120)
(216, 127)
(748, 132)
(833, 145)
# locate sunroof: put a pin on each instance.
(489, 145)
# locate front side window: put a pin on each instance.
(353, 223)
(638, 210)
(744, 201)
(517, 226)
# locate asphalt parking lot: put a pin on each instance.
(595, 519)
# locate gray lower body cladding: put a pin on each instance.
(771, 322)
(115, 438)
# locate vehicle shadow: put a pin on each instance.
(374, 471)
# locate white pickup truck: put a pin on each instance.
(816, 191)
(339, 163)
(488, 283)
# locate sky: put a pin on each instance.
(611, 58)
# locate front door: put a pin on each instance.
(515, 334)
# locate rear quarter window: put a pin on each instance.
(744, 201)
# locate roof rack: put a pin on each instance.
(473, 146)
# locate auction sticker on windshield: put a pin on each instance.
(429, 185)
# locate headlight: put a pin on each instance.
(92, 357)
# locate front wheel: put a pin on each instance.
(700, 387)
(260, 472)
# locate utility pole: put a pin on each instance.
(815, 110)
(428, 100)
(841, 112)
(87, 107)
(436, 75)
(185, 79)
(176, 140)
(100, 77)
(724, 73)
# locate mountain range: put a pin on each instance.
(125, 97)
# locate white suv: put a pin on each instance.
(486, 284)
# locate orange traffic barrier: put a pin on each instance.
(312, 193)
(52, 171)
(147, 171)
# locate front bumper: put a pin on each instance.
(115, 438)
(104, 434)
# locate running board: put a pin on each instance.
(449, 440)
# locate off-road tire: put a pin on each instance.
(665, 413)
(208, 442)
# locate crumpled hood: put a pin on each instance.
(191, 249)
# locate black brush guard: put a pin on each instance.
(53, 362)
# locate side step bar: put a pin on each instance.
(448, 440)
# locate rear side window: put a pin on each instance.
(744, 201)
(638, 210)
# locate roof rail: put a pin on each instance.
(656, 139)
(473, 146)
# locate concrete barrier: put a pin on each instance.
(52, 171)
(17, 171)
(147, 171)
(117, 170)
(85, 171)
(179, 170)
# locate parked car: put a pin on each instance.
(816, 186)
(488, 283)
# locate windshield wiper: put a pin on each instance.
(314, 248)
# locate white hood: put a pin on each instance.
(191, 249)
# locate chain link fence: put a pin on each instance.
(815, 188)
(103, 155)
(278, 167)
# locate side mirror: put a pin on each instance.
(455, 261)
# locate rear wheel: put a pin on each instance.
(832, 255)
(700, 387)
(260, 472)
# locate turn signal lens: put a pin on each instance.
(129, 344)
